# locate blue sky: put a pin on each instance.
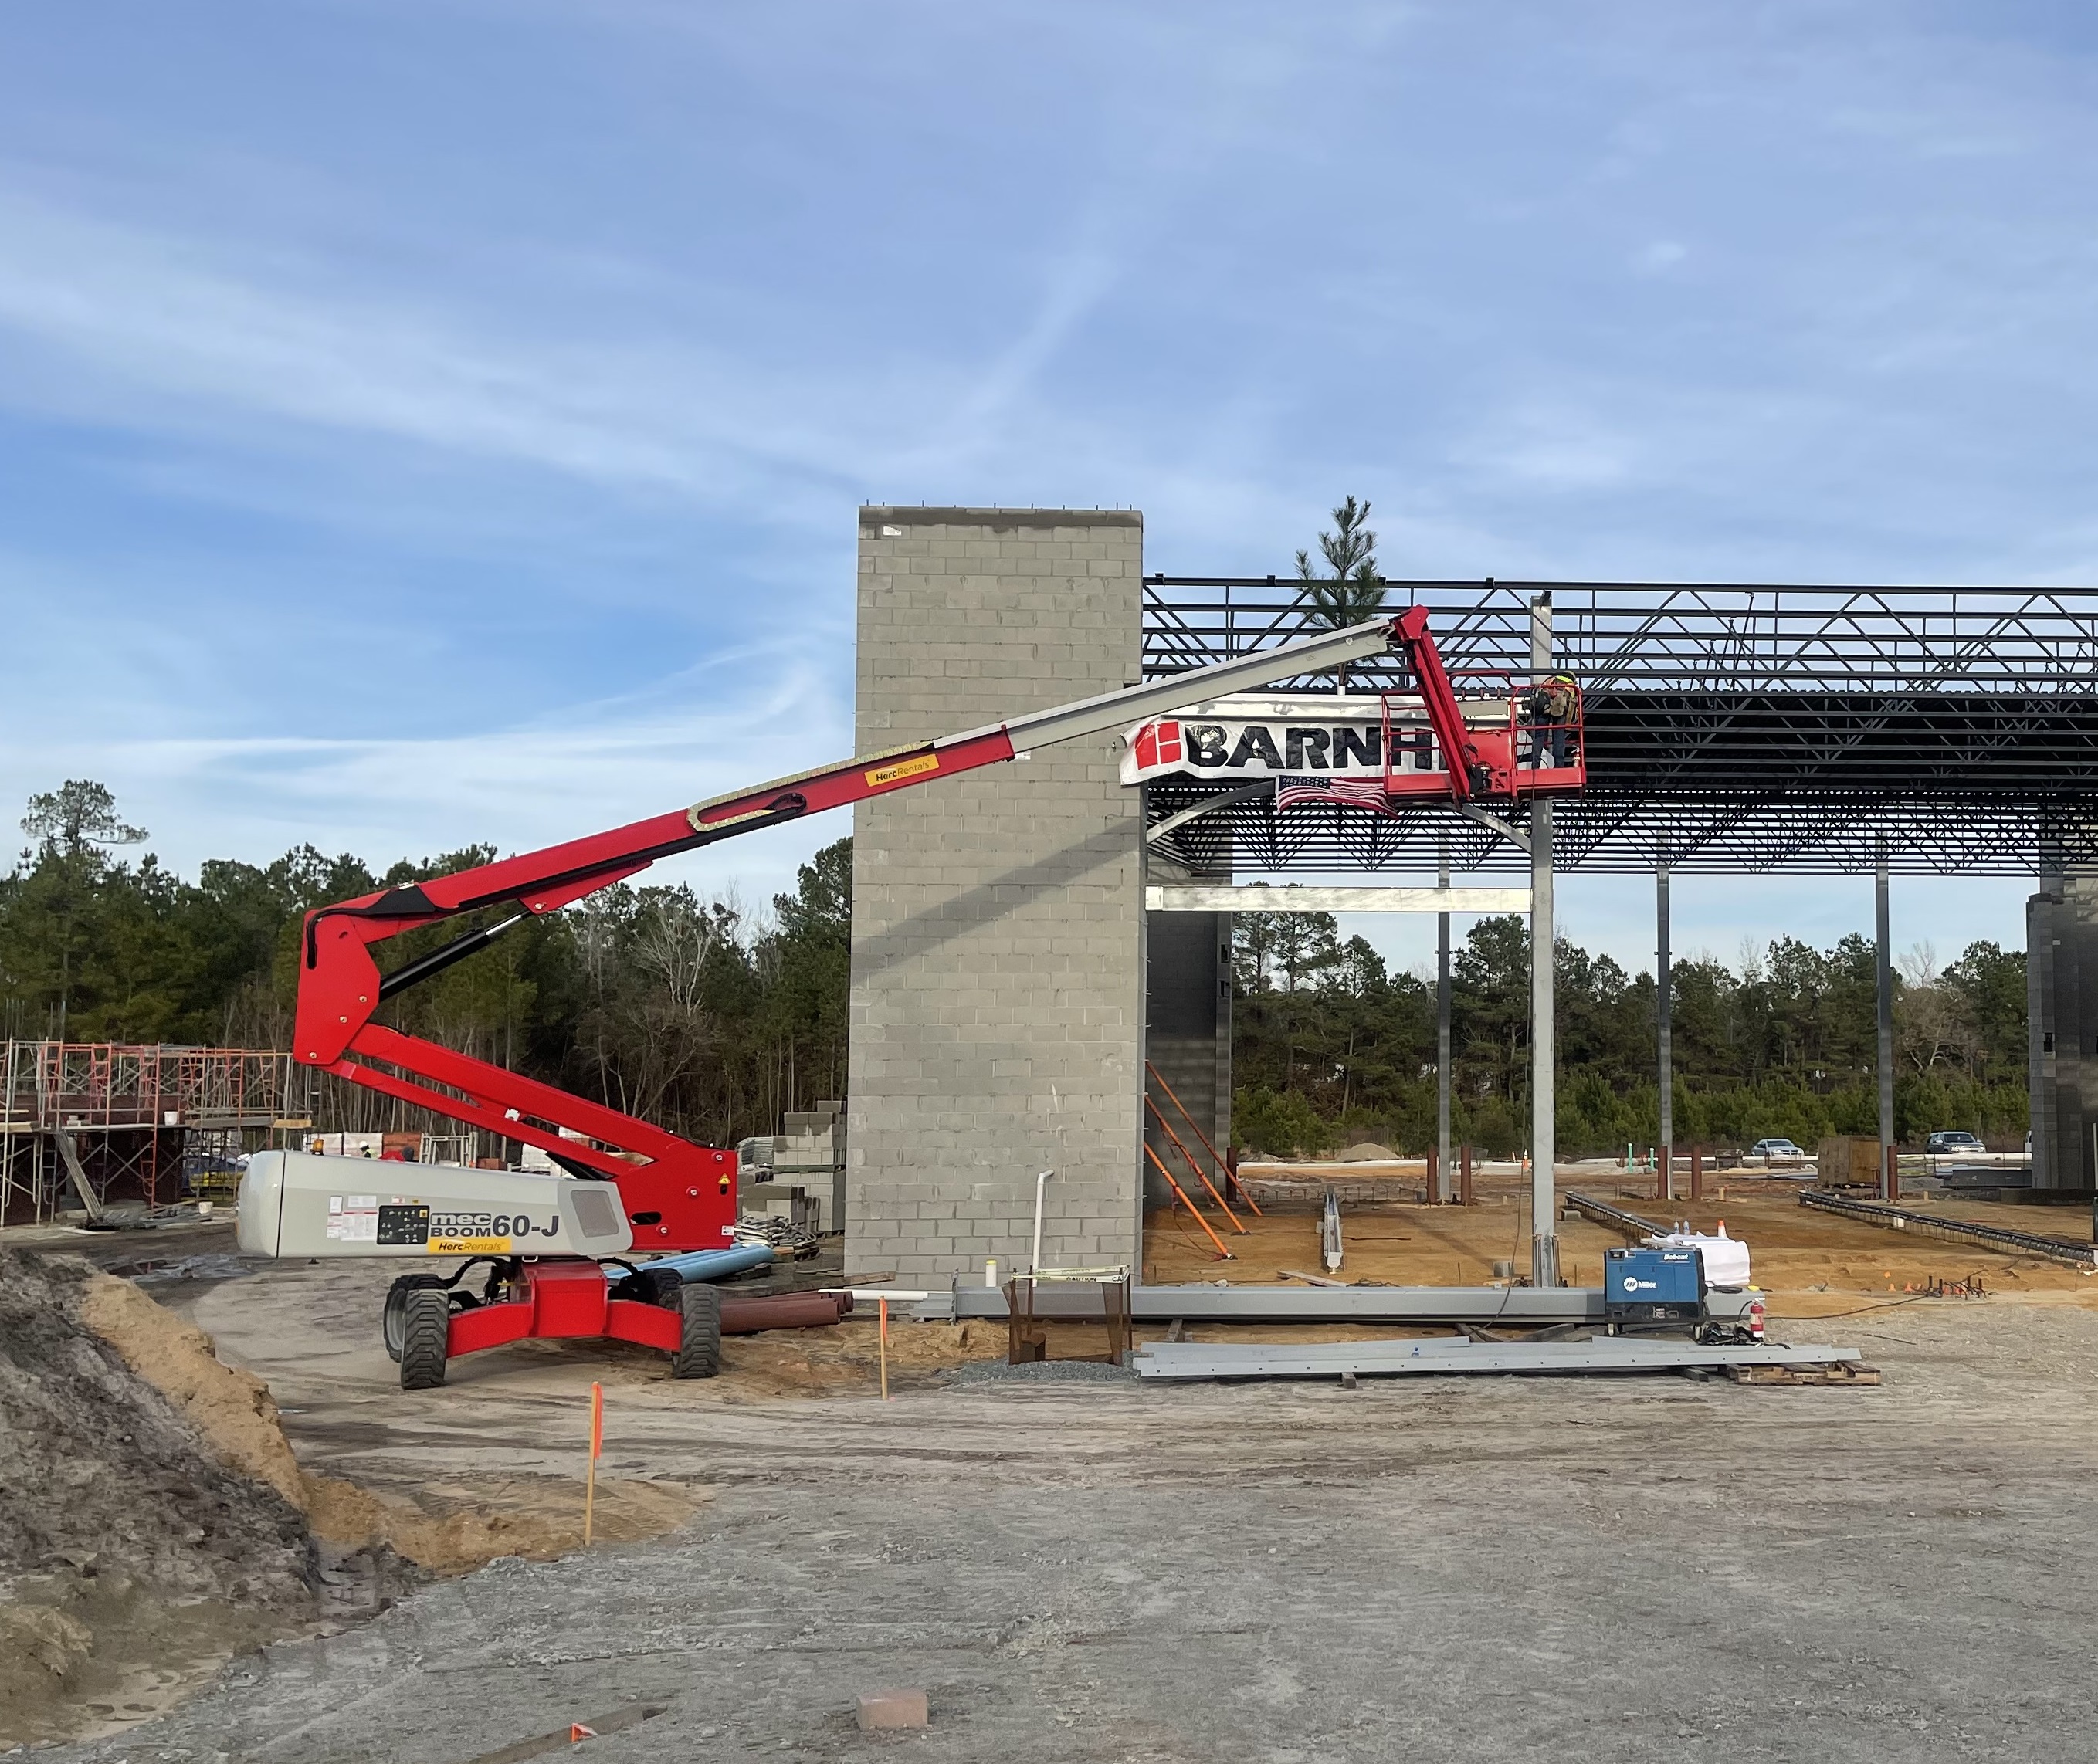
(429, 422)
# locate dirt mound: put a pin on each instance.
(445, 1528)
(154, 1520)
(119, 1520)
(1369, 1151)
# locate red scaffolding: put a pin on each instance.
(117, 1119)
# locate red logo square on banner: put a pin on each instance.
(1158, 744)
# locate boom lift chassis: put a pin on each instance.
(674, 1195)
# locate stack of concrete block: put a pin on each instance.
(808, 1159)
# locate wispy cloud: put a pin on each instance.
(516, 788)
(144, 314)
(399, 401)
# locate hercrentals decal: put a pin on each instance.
(1252, 737)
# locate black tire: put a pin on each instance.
(698, 1347)
(426, 1320)
(659, 1286)
(397, 1298)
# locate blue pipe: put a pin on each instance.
(707, 1264)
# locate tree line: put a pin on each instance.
(703, 1015)
(714, 1020)
(1331, 1047)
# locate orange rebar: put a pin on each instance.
(1179, 1195)
(1189, 1158)
(1223, 1169)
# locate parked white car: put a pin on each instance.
(1771, 1149)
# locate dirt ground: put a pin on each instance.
(1493, 1569)
(1811, 1264)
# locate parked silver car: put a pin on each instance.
(1770, 1150)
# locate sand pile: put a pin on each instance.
(1367, 1152)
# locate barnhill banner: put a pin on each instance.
(1324, 746)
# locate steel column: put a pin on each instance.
(1543, 1137)
(1443, 1173)
(1664, 989)
(1885, 974)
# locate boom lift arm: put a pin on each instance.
(677, 1194)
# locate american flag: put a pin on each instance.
(1367, 792)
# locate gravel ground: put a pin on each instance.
(1489, 1569)
(1038, 1372)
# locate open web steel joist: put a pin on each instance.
(1729, 728)
(1996, 1237)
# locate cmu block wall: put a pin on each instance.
(998, 922)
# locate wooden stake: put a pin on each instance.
(596, 1447)
(884, 1350)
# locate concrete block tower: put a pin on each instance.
(997, 920)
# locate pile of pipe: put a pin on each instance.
(779, 1235)
(783, 1310)
(750, 1316)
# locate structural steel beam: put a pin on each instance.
(1198, 898)
(1444, 1357)
(1521, 1307)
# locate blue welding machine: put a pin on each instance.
(1654, 1285)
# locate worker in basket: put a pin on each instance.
(1549, 711)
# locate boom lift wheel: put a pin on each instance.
(698, 1347)
(426, 1322)
(397, 1299)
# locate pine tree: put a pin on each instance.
(1352, 590)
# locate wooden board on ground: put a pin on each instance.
(1837, 1374)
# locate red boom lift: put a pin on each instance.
(674, 1195)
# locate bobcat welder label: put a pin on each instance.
(488, 1234)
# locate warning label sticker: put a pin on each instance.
(353, 1219)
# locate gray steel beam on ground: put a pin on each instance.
(1521, 1307)
(1446, 1358)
